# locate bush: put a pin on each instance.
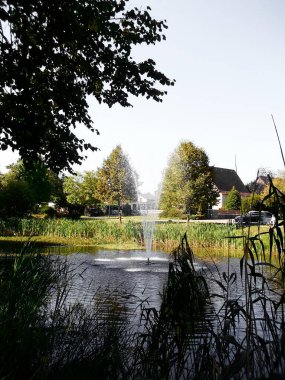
(46, 210)
(172, 213)
(197, 216)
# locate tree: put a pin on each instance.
(72, 187)
(188, 181)
(53, 54)
(21, 190)
(270, 202)
(116, 179)
(16, 198)
(278, 182)
(233, 201)
(82, 189)
(251, 202)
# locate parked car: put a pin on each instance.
(255, 217)
(93, 211)
(96, 212)
(112, 210)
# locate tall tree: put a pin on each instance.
(188, 181)
(55, 53)
(82, 189)
(116, 179)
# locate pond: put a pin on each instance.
(124, 282)
(127, 279)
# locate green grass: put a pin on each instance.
(109, 233)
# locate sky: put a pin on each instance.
(228, 60)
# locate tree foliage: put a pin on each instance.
(116, 179)
(251, 202)
(255, 201)
(188, 182)
(55, 53)
(82, 189)
(233, 200)
(278, 182)
(21, 190)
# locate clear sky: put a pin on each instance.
(228, 59)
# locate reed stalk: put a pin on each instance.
(167, 235)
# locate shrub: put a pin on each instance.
(172, 213)
(233, 201)
(46, 210)
(197, 216)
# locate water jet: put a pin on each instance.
(149, 217)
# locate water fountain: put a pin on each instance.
(149, 216)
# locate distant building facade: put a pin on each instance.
(145, 202)
(259, 184)
(225, 180)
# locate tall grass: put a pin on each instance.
(167, 235)
(100, 231)
(165, 349)
(44, 335)
(195, 337)
(243, 336)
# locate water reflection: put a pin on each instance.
(124, 275)
(129, 273)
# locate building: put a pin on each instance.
(145, 202)
(225, 180)
(259, 185)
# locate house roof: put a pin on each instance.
(225, 179)
(262, 180)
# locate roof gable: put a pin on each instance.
(226, 179)
(262, 180)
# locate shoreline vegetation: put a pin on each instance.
(46, 337)
(207, 325)
(110, 234)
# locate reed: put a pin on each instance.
(101, 231)
(243, 335)
(44, 335)
(242, 338)
(162, 349)
(167, 235)
(24, 291)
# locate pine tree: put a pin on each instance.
(233, 201)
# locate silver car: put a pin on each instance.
(255, 217)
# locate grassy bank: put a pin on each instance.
(128, 235)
